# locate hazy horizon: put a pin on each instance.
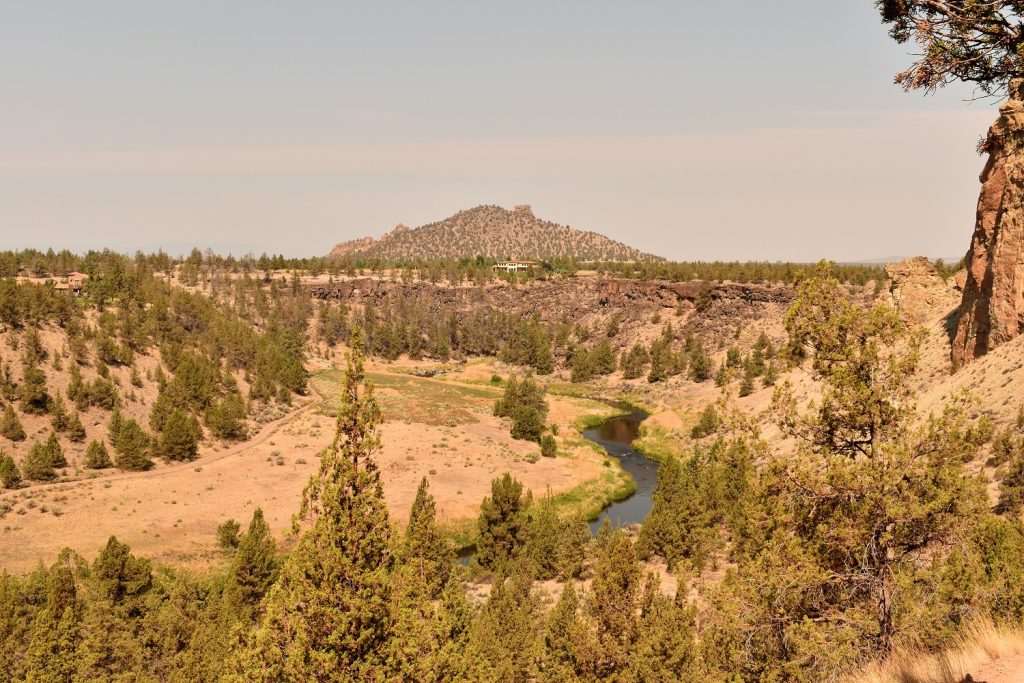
(689, 132)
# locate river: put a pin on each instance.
(616, 435)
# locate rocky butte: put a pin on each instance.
(992, 309)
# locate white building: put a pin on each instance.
(513, 266)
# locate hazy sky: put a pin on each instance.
(696, 130)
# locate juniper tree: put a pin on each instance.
(74, 428)
(504, 639)
(52, 653)
(960, 40)
(254, 566)
(859, 506)
(226, 418)
(602, 358)
(424, 546)
(96, 456)
(130, 442)
(582, 365)
(10, 425)
(613, 606)
(523, 402)
(55, 452)
(32, 392)
(502, 524)
(59, 417)
(36, 465)
(564, 639)
(327, 616)
(180, 437)
(700, 362)
(10, 476)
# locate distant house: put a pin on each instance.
(72, 284)
(513, 266)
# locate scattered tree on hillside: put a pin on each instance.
(130, 442)
(36, 465)
(226, 418)
(10, 475)
(857, 509)
(635, 362)
(180, 437)
(96, 456)
(10, 425)
(55, 452)
(32, 392)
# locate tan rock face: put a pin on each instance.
(918, 292)
(352, 246)
(992, 310)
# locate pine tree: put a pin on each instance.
(327, 616)
(36, 466)
(635, 362)
(75, 428)
(700, 363)
(10, 425)
(502, 524)
(255, 565)
(226, 419)
(96, 456)
(59, 417)
(613, 605)
(10, 476)
(179, 438)
(504, 639)
(55, 452)
(32, 391)
(424, 546)
(131, 444)
(564, 637)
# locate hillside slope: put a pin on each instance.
(494, 232)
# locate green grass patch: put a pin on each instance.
(659, 444)
(590, 497)
(415, 399)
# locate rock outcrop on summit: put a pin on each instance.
(493, 232)
(992, 309)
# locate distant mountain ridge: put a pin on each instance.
(494, 232)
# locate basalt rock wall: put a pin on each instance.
(992, 308)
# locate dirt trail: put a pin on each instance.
(1003, 670)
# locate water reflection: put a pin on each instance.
(616, 436)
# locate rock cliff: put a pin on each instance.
(992, 309)
(918, 292)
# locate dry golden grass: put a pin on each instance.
(989, 653)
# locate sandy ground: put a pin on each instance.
(1004, 670)
(171, 514)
